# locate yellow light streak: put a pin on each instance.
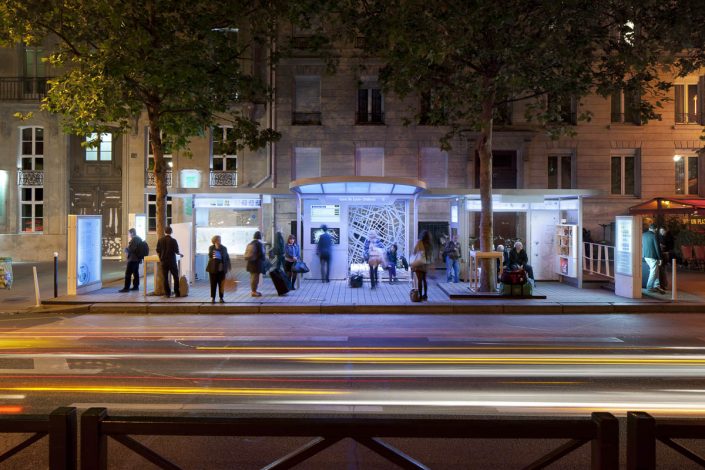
(500, 360)
(176, 390)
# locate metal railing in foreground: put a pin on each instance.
(59, 425)
(643, 431)
(601, 430)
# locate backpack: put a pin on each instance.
(251, 251)
(142, 249)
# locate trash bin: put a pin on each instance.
(5, 273)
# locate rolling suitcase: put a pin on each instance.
(281, 281)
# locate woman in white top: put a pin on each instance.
(423, 248)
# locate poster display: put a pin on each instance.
(623, 248)
(84, 272)
(234, 238)
(317, 232)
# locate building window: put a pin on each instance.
(307, 100)
(307, 162)
(152, 212)
(150, 155)
(686, 103)
(560, 172)
(101, 149)
(432, 112)
(563, 108)
(32, 209)
(34, 81)
(434, 167)
(370, 102)
(623, 174)
(686, 174)
(224, 149)
(32, 148)
(625, 106)
(369, 161)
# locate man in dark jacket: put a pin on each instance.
(518, 259)
(134, 258)
(167, 249)
(324, 249)
(652, 255)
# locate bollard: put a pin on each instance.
(674, 287)
(56, 274)
(36, 288)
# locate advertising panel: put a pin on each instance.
(325, 213)
(88, 254)
(623, 247)
(234, 238)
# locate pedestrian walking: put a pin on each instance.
(451, 253)
(254, 255)
(421, 258)
(374, 255)
(392, 259)
(168, 249)
(651, 253)
(135, 253)
(218, 266)
(324, 250)
(292, 253)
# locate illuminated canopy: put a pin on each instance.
(669, 206)
(358, 185)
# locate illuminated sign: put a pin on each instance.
(84, 254)
(623, 247)
(325, 213)
(190, 179)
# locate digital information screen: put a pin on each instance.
(88, 250)
(325, 213)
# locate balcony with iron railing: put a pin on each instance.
(374, 118)
(30, 177)
(152, 182)
(23, 88)
(306, 119)
(220, 178)
(688, 118)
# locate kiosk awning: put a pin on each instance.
(669, 206)
(358, 185)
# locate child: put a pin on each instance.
(392, 263)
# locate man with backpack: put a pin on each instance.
(135, 252)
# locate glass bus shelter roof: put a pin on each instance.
(357, 185)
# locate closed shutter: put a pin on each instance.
(434, 167)
(370, 161)
(308, 94)
(701, 96)
(679, 102)
(308, 162)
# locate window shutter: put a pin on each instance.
(362, 102)
(376, 101)
(701, 96)
(308, 94)
(370, 161)
(308, 162)
(434, 167)
(679, 102)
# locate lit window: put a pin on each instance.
(686, 103)
(152, 212)
(686, 168)
(101, 148)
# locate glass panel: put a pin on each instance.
(629, 176)
(26, 194)
(106, 147)
(91, 154)
(217, 164)
(362, 105)
(27, 148)
(692, 103)
(616, 175)
(39, 225)
(39, 141)
(26, 210)
(27, 134)
(39, 210)
(552, 173)
(692, 175)
(27, 164)
(38, 164)
(38, 194)
(680, 176)
(617, 107)
(26, 224)
(231, 164)
(566, 173)
(334, 188)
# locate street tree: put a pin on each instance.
(187, 65)
(472, 58)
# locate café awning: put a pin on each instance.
(669, 206)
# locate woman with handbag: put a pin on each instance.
(254, 254)
(374, 255)
(218, 266)
(420, 261)
(292, 253)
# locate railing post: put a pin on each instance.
(641, 441)
(592, 258)
(62, 439)
(94, 448)
(607, 260)
(674, 283)
(605, 445)
(599, 259)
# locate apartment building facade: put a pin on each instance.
(335, 127)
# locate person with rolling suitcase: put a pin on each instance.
(280, 280)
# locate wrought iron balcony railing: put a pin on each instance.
(152, 182)
(30, 178)
(306, 119)
(223, 178)
(23, 88)
(687, 118)
(369, 118)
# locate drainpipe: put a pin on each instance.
(271, 122)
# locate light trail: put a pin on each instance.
(172, 390)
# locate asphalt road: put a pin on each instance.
(361, 364)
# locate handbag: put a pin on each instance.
(417, 260)
(414, 294)
(229, 283)
(300, 267)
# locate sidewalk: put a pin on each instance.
(336, 297)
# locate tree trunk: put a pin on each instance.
(488, 281)
(160, 170)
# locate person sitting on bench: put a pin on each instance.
(518, 259)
